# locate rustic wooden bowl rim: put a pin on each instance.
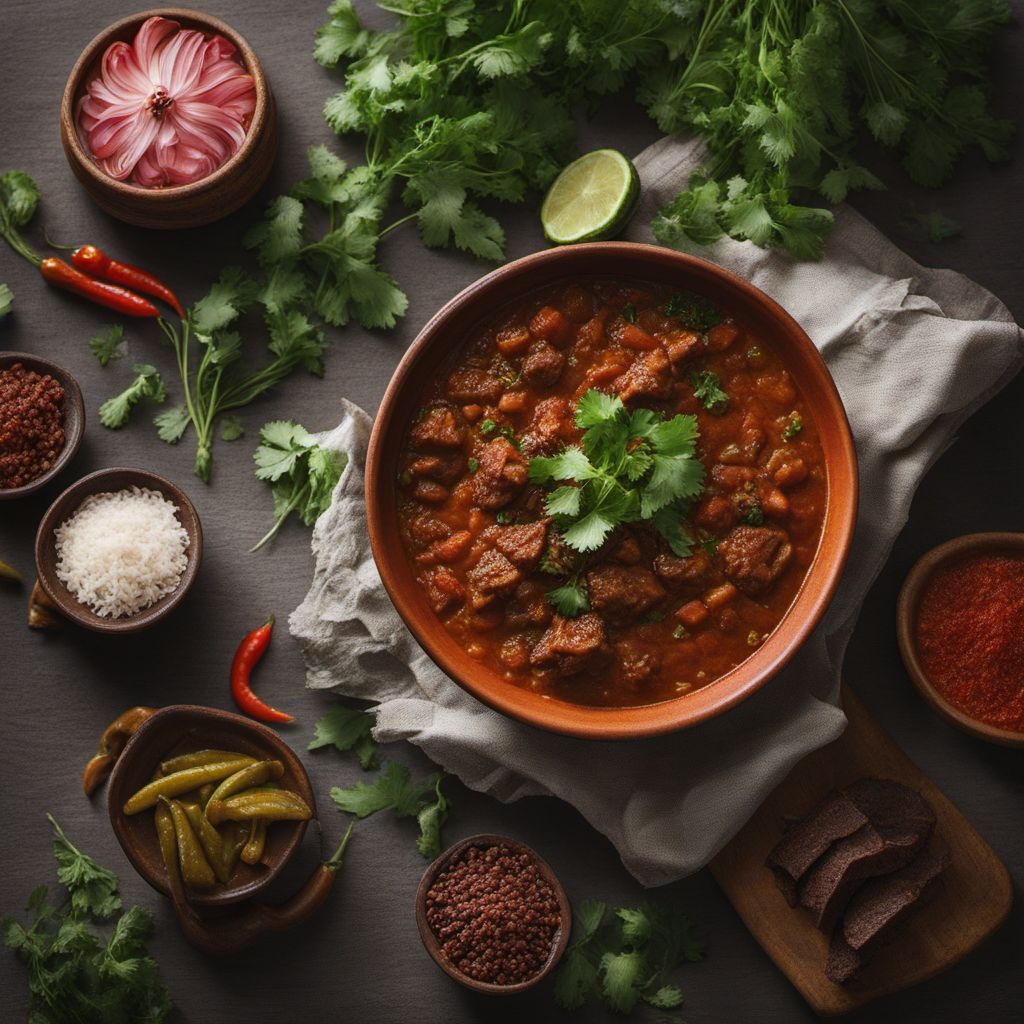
(429, 939)
(74, 418)
(68, 501)
(639, 262)
(260, 735)
(173, 193)
(906, 618)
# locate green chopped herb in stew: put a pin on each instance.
(694, 311)
(707, 388)
(793, 427)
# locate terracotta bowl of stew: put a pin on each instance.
(68, 502)
(908, 608)
(74, 418)
(181, 729)
(433, 945)
(180, 206)
(493, 379)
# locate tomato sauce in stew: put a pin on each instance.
(487, 555)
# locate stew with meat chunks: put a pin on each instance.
(613, 492)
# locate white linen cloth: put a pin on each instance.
(913, 351)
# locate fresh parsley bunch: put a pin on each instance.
(302, 473)
(625, 957)
(632, 466)
(75, 974)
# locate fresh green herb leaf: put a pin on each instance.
(302, 474)
(431, 819)
(19, 198)
(473, 464)
(694, 311)
(74, 973)
(710, 545)
(751, 512)
(147, 384)
(707, 388)
(172, 424)
(938, 226)
(6, 300)
(109, 345)
(793, 426)
(231, 428)
(347, 729)
(679, 632)
(488, 427)
(570, 600)
(232, 294)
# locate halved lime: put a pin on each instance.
(591, 199)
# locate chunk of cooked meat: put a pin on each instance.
(647, 377)
(549, 324)
(445, 468)
(623, 592)
(625, 549)
(681, 345)
(571, 646)
(551, 425)
(493, 576)
(680, 573)
(543, 365)
(444, 591)
(439, 428)
(637, 664)
(474, 386)
(529, 607)
(500, 475)
(754, 557)
(523, 545)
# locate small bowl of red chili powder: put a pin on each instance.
(42, 419)
(493, 915)
(961, 633)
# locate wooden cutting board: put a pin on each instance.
(972, 903)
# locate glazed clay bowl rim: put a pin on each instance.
(122, 29)
(211, 722)
(68, 501)
(907, 607)
(430, 941)
(448, 329)
(74, 418)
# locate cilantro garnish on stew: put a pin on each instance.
(632, 466)
(694, 311)
(707, 388)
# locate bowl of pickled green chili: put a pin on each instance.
(222, 797)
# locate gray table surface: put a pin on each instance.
(361, 959)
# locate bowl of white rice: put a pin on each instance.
(119, 549)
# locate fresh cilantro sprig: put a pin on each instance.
(625, 957)
(74, 973)
(302, 473)
(395, 790)
(108, 345)
(707, 388)
(632, 466)
(114, 411)
(347, 729)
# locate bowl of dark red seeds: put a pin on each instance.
(493, 915)
(42, 419)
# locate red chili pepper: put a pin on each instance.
(58, 273)
(248, 655)
(95, 261)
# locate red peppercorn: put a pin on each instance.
(31, 425)
(494, 915)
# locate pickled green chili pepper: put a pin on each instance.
(165, 835)
(254, 846)
(272, 804)
(203, 794)
(201, 757)
(195, 868)
(210, 840)
(234, 835)
(253, 775)
(181, 782)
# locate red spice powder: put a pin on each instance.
(494, 914)
(31, 425)
(970, 638)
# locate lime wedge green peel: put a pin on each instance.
(591, 199)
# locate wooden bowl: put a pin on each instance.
(179, 206)
(450, 327)
(906, 619)
(68, 502)
(432, 945)
(74, 418)
(179, 729)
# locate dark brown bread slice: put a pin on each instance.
(900, 823)
(877, 908)
(804, 842)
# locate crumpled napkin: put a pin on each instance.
(914, 352)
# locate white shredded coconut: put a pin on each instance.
(122, 551)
